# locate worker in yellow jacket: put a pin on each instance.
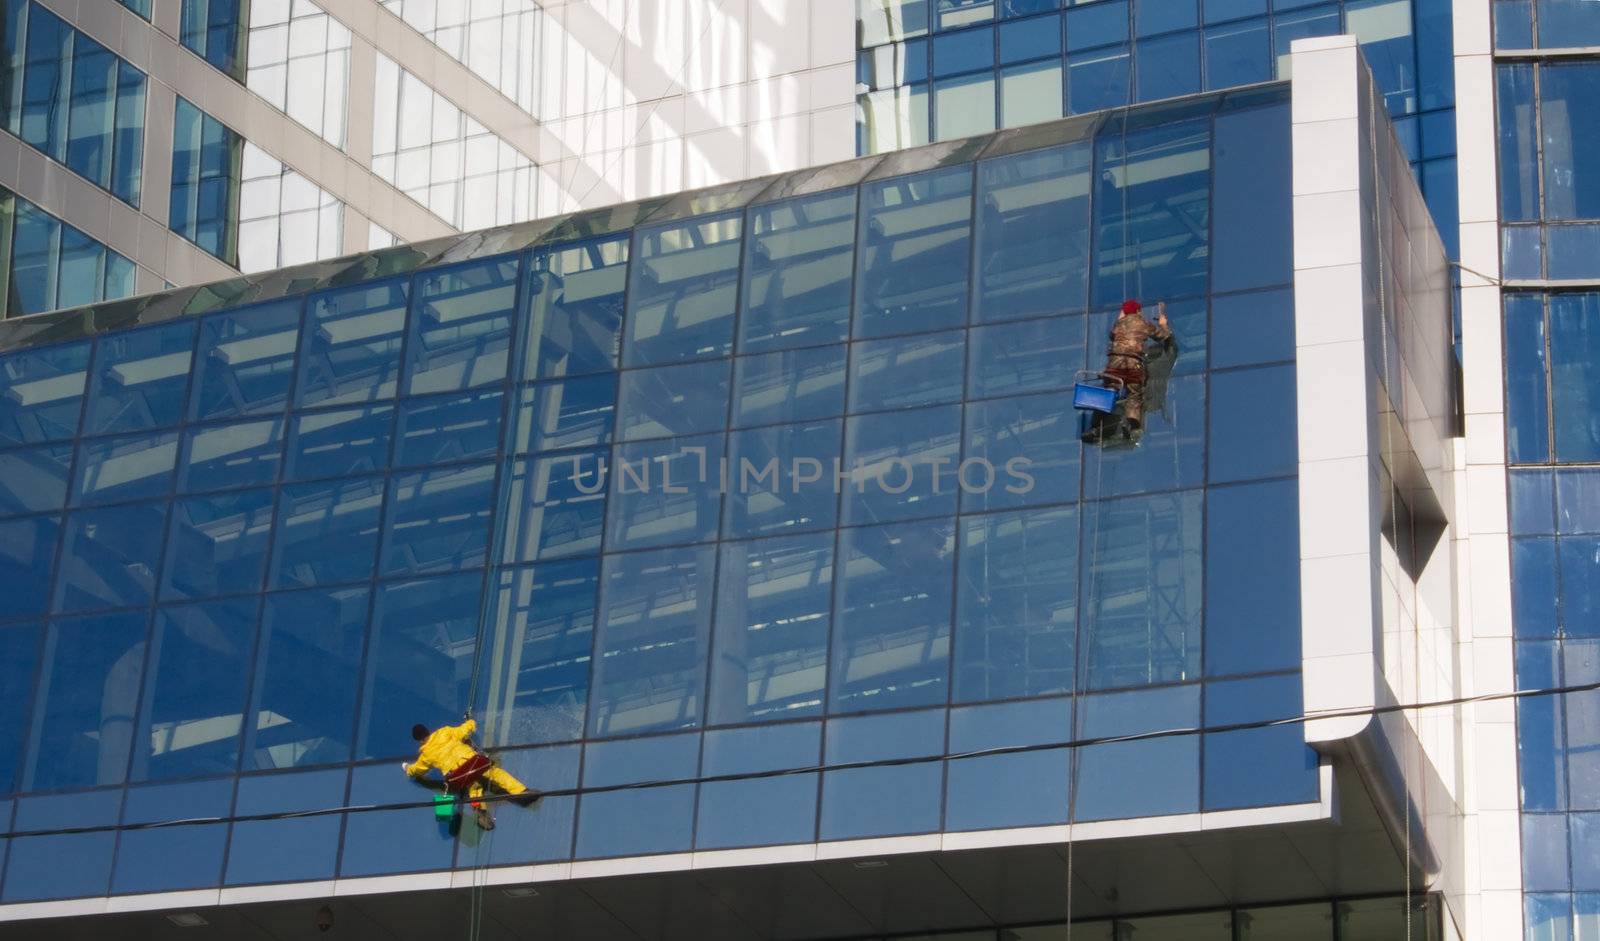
(465, 769)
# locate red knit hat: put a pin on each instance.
(1131, 307)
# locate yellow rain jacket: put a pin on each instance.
(446, 749)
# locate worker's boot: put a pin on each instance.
(484, 818)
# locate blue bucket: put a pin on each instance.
(1092, 398)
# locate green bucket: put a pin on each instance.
(444, 807)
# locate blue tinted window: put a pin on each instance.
(115, 469)
(1251, 201)
(1571, 174)
(1287, 27)
(1032, 231)
(34, 479)
(303, 708)
(1253, 423)
(217, 545)
(665, 492)
(887, 800)
(1544, 852)
(1169, 66)
(1548, 916)
(27, 549)
(1567, 23)
(1570, 251)
(201, 654)
(447, 429)
(544, 833)
(924, 369)
(797, 272)
(461, 326)
(892, 607)
(771, 644)
(901, 464)
(419, 662)
(53, 867)
(438, 520)
(1580, 585)
(1252, 328)
(1016, 606)
(1097, 24)
(1020, 452)
(685, 287)
(1522, 251)
(216, 30)
(236, 455)
(245, 363)
(273, 850)
(392, 840)
(757, 812)
(964, 51)
(1533, 587)
(1575, 374)
(1170, 454)
(1252, 578)
(1585, 835)
(19, 655)
(575, 307)
(577, 413)
(336, 444)
(351, 348)
(914, 253)
(674, 400)
(556, 506)
(1257, 767)
(1527, 418)
(780, 479)
(655, 629)
(1577, 500)
(546, 615)
(327, 533)
(1114, 780)
(641, 760)
(46, 83)
(88, 696)
(997, 791)
(1031, 356)
(761, 748)
(1541, 751)
(128, 158)
(637, 822)
(110, 557)
(41, 393)
(797, 385)
(1030, 39)
(1156, 254)
(1238, 54)
(140, 378)
(174, 857)
(1142, 582)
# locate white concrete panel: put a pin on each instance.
(1324, 89)
(715, 157)
(759, 856)
(1491, 586)
(1501, 867)
(1338, 683)
(1335, 508)
(833, 135)
(594, 868)
(1331, 386)
(1336, 606)
(780, 144)
(1486, 499)
(1496, 777)
(1327, 156)
(1501, 911)
(1481, 344)
(718, 40)
(780, 37)
(1327, 305)
(780, 95)
(1475, 139)
(832, 86)
(887, 846)
(1327, 230)
(1470, 25)
(833, 33)
(1486, 438)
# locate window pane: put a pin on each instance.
(194, 699)
(27, 548)
(1570, 251)
(887, 800)
(336, 444)
(307, 674)
(1153, 254)
(1253, 424)
(674, 400)
(34, 479)
(1575, 374)
(88, 695)
(110, 557)
(964, 107)
(1114, 782)
(92, 111)
(1020, 452)
(1099, 78)
(780, 479)
(544, 621)
(575, 307)
(900, 464)
(1253, 220)
(1544, 852)
(273, 850)
(1033, 233)
(351, 348)
(1031, 356)
(1170, 454)
(327, 533)
(1547, 916)
(1238, 54)
(217, 545)
(419, 662)
(246, 360)
(1252, 328)
(655, 627)
(452, 428)
(759, 812)
(771, 647)
(797, 385)
(1567, 23)
(924, 369)
(173, 857)
(891, 639)
(1577, 500)
(966, 51)
(461, 326)
(236, 455)
(797, 273)
(556, 506)
(1257, 767)
(914, 256)
(544, 834)
(438, 520)
(665, 492)
(1142, 582)
(577, 413)
(1571, 173)
(41, 392)
(685, 285)
(49, 867)
(1252, 597)
(1024, 789)
(1016, 607)
(636, 822)
(1527, 420)
(392, 841)
(1170, 66)
(1518, 146)
(1030, 93)
(140, 377)
(20, 651)
(115, 469)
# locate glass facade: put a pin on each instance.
(943, 69)
(438, 155)
(298, 60)
(498, 42)
(770, 476)
(71, 98)
(46, 264)
(1550, 214)
(207, 158)
(218, 31)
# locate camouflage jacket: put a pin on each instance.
(1131, 333)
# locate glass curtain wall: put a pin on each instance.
(46, 264)
(207, 159)
(69, 97)
(499, 43)
(341, 495)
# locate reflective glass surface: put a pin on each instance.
(47, 264)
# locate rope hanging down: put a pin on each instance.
(840, 766)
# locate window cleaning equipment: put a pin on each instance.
(1096, 392)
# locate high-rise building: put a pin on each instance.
(686, 389)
